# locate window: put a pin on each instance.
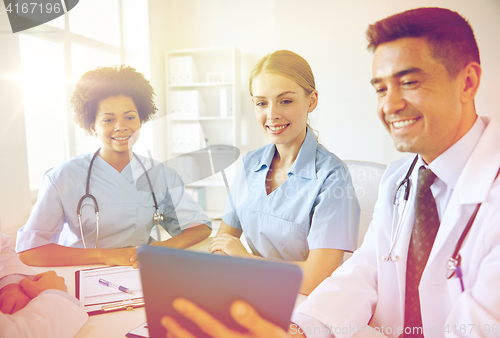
(44, 93)
(53, 57)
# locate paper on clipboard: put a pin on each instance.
(97, 298)
(139, 332)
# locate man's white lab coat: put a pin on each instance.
(368, 289)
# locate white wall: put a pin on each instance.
(15, 200)
(330, 35)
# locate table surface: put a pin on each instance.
(113, 324)
(118, 324)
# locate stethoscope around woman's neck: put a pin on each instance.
(157, 216)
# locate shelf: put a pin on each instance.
(203, 118)
(206, 105)
(202, 152)
(209, 183)
(201, 84)
(211, 50)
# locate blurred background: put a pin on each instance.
(221, 41)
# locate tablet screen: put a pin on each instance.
(214, 282)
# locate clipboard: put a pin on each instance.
(96, 298)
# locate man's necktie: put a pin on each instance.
(422, 238)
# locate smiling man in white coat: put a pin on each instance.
(426, 72)
(429, 266)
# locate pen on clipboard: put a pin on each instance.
(113, 285)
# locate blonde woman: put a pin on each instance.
(293, 199)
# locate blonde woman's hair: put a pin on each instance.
(287, 64)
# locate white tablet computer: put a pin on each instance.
(214, 282)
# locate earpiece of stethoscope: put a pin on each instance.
(407, 184)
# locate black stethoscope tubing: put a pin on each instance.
(455, 260)
(407, 186)
(454, 263)
(157, 216)
(406, 182)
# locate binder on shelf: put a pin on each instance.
(188, 104)
(173, 105)
(173, 138)
(185, 137)
(184, 103)
(173, 68)
(192, 101)
(182, 70)
(190, 72)
(223, 102)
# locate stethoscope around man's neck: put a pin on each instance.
(157, 216)
(407, 185)
(454, 266)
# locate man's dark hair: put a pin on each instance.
(449, 35)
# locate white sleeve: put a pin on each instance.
(48, 315)
(9, 262)
(309, 326)
(46, 220)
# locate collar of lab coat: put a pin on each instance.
(449, 165)
(480, 171)
(470, 165)
(472, 187)
(305, 163)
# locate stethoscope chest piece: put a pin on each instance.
(452, 265)
(158, 217)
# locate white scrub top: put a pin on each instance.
(315, 208)
(126, 205)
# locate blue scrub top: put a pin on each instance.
(315, 208)
(125, 203)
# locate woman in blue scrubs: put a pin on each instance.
(293, 199)
(111, 103)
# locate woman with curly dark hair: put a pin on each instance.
(108, 202)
